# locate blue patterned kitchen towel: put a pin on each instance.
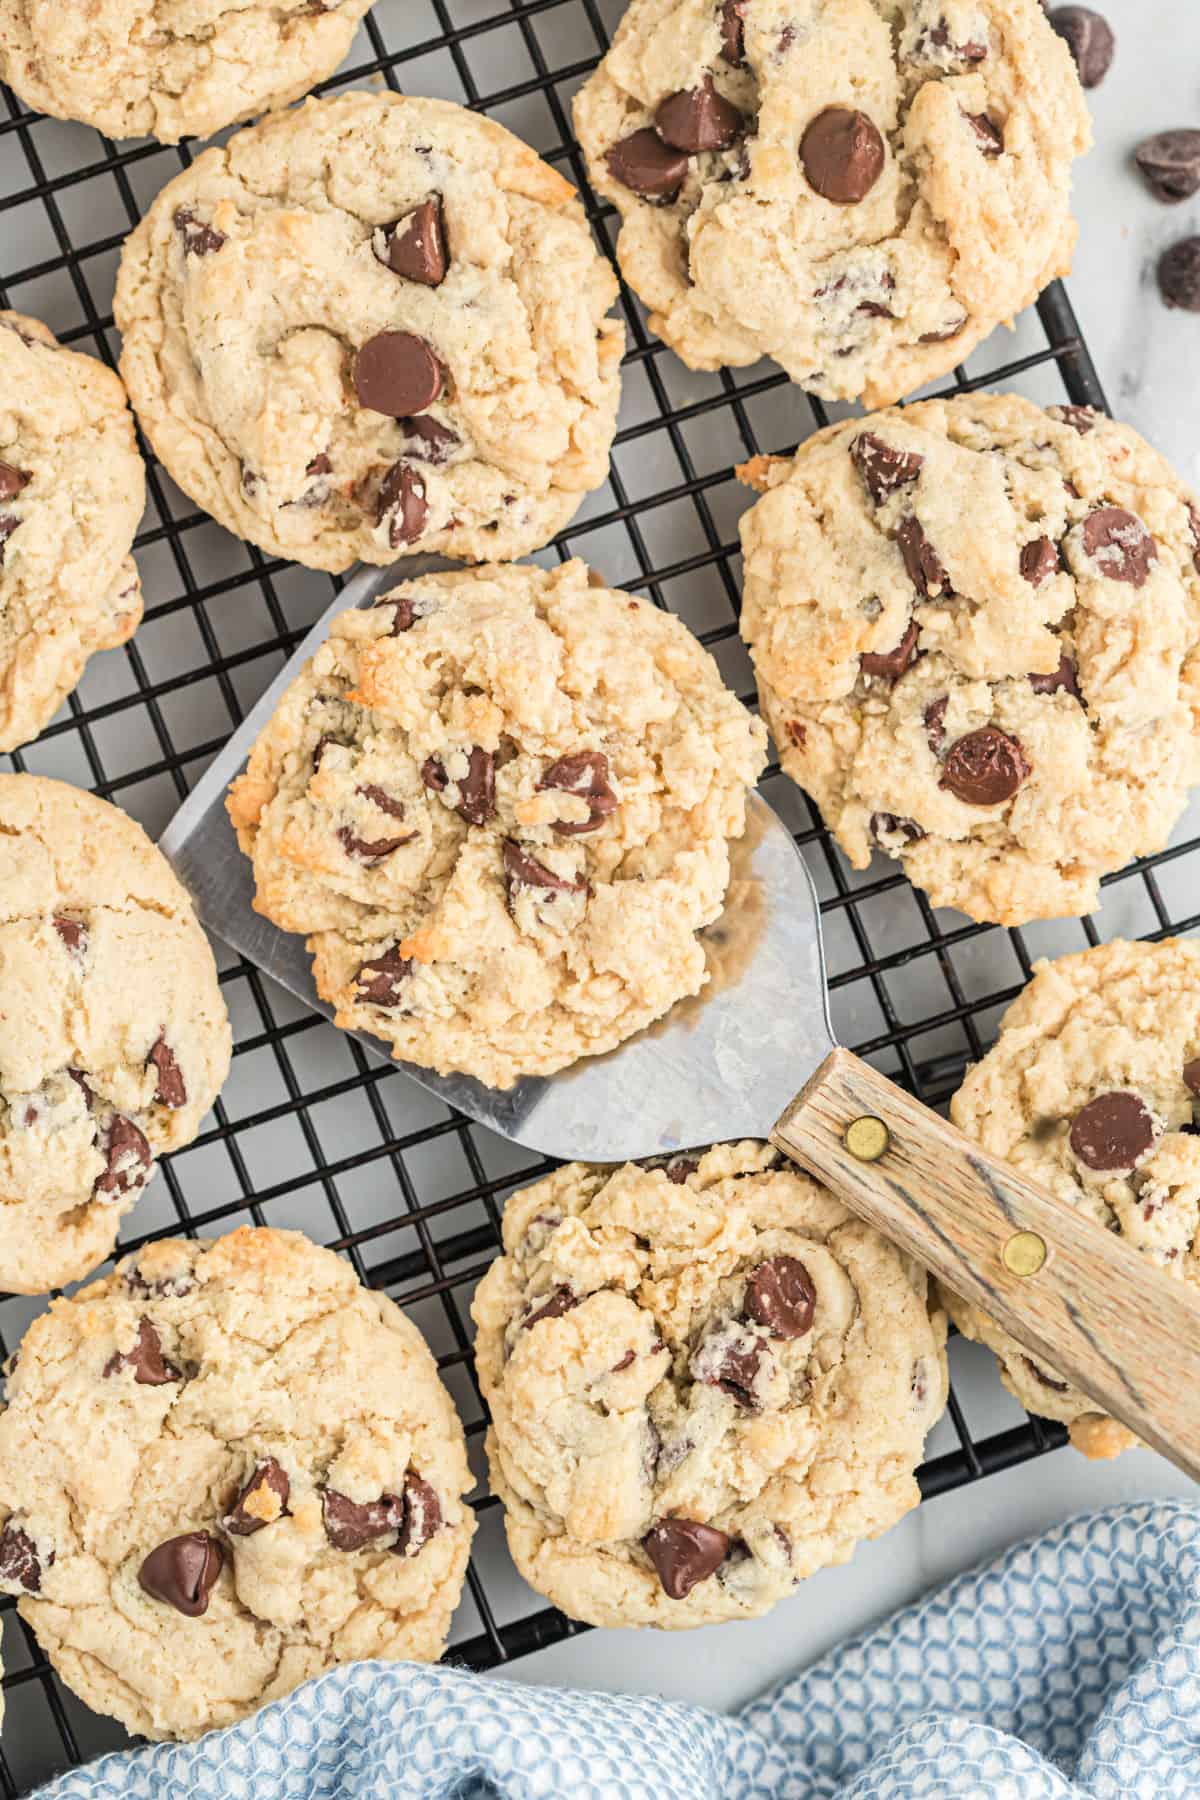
(1068, 1669)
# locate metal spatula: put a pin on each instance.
(754, 1056)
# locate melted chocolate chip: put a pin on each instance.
(476, 790)
(938, 38)
(1080, 418)
(422, 1516)
(733, 32)
(698, 119)
(8, 524)
(172, 1285)
(12, 480)
(1113, 1132)
(843, 155)
(886, 825)
(349, 1526)
(19, 1560)
(84, 1085)
(371, 850)
(172, 1088)
(684, 1553)
(72, 932)
(126, 1153)
(1119, 544)
(262, 1501)
(935, 723)
(378, 982)
(734, 1369)
(183, 1572)
(428, 440)
(781, 1296)
(584, 773)
(197, 238)
(416, 245)
(985, 768)
(1191, 1076)
(150, 1367)
(1090, 40)
(1170, 162)
(924, 565)
(884, 470)
(561, 1301)
(1065, 680)
(1047, 1381)
(1179, 274)
(680, 1167)
(398, 373)
(1040, 560)
(401, 500)
(523, 870)
(382, 799)
(988, 135)
(944, 335)
(891, 664)
(647, 166)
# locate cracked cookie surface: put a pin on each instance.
(114, 1040)
(1092, 1089)
(861, 189)
(371, 326)
(500, 804)
(170, 68)
(281, 1487)
(707, 1380)
(976, 630)
(72, 490)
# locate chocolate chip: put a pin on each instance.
(1120, 544)
(378, 982)
(19, 1560)
(404, 614)
(985, 768)
(320, 465)
(1047, 1381)
(585, 774)
(684, 1553)
(1194, 521)
(626, 1362)
(733, 32)
(8, 524)
(477, 789)
(428, 440)
(198, 239)
(523, 870)
(924, 565)
(1191, 1076)
(397, 372)
(843, 155)
(1170, 162)
(733, 1368)
(1040, 560)
(169, 1285)
(172, 1089)
(1080, 418)
(382, 799)
(891, 664)
(1065, 680)
(183, 1572)
(72, 932)
(698, 119)
(1179, 274)
(401, 500)
(944, 335)
(371, 850)
(781, 1296)
(349, 1526)
(416, 245)
(127, 1158)
(82, 1083)
(935, 723)
(989, 136)
(1113, 1132)
(643, 163)
(12, 481)
(884, 470)
(321, 746)
(884, 825)
(938, 38)
(422, 1516)
(561, 1301)
(262, 1501)
(150, 1367)
(680, 1167)
(1090, 40)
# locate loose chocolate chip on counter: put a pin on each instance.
(1113, 1132)
(1191, 1076)
(1065, 680)
(985, 768)
(422, 1516)
(843, 155)
(886, 825)
(19, 1561)
(262, 1501)
(183, 1572)
(1090, 40)
(924, 565)
(72, 932)
(523, 870)
(733, 32)
(378, 982)
(698, 119)
(1040, 560)
(172, 1088)
(1080, 418)
(647, 166)
(127, 1157)
(989, 135)
(12, 480)
(883, 469)
(416, 245)
(1120, 544)
(1179, 274)
(1170, 162)
(398, 373)
(198, 239)
(781, 1296)
(584, 773)
(428, 440)
(401, 500)
(935, 723)
(891, 664)
(561, 1301)
(371, 850)
(680, 1167)
(349, 1526)
(150, 1367)
(684, 1553)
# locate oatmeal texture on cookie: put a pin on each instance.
(114, 1040)
(1091, 1089)
(976, 630)
(372, 326)
(861, 189)
(707, 1380)
(500, 801)
(72, 489)
(223, 1469)
(170, 68)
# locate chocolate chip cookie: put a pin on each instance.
(72, 490)
(707, 1380)
(114, 1039)
(1092, 1089)
(223, 1469)
(170, 68)
(976, 629)
(370, 326)
(499, 803)
(861, 189)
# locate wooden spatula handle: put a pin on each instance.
(1121, 1330)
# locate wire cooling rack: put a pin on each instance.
(309, 1133)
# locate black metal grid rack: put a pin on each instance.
(309, 1132)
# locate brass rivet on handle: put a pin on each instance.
(1024, 1253)
(866, 1139)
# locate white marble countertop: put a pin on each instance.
(1149, 361)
